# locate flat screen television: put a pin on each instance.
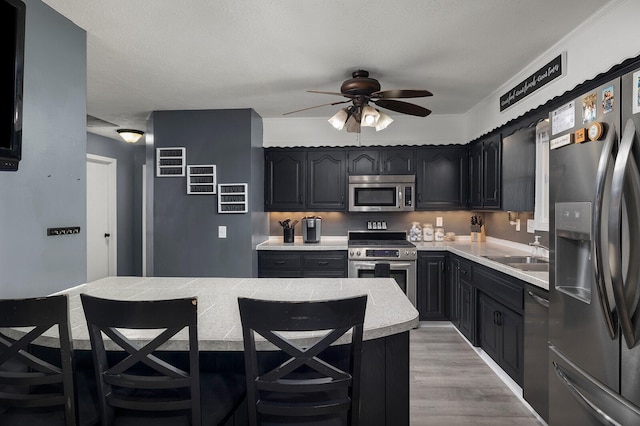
(12, 22)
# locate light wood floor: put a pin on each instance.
(451, 385)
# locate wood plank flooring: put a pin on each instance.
(451, 385)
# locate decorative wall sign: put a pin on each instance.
(535, 81)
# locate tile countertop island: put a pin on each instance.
(462, 247)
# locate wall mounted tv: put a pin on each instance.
(12, 20)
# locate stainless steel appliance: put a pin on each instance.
(384, 253)
(311, 229)
(594, 274)
(382, 193)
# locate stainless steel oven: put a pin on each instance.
(379, 254)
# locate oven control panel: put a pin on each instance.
(383, 253)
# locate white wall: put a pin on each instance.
(608, 38)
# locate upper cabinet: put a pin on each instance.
(284, 181)
(519, 170)
(312, 180)
(442, 179)
(386, 161)
(485, 174)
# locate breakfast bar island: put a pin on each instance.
(389, 317)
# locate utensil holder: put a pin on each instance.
(288, 235)
(478, 237)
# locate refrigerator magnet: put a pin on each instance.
(595, 131)
(580, 135)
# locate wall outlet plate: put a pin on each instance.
(531, 228)
(222, 231)
(439, 221)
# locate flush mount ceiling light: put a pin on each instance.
(360, 91)
(129, 135)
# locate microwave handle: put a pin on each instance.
(400, 203)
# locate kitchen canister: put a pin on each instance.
(439, 234)
(427, 232)
(415, 232)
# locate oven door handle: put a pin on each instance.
(392, 264)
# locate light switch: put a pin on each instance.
(439, 221)
(222, 231)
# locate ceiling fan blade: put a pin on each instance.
(403, 107)
(400, 93)
(331, 93)
(317, 106)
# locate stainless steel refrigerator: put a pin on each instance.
(594, 198)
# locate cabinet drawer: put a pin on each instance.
(509, 291)
(320, 261)
(280, 261)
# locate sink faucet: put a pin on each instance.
(538, 245)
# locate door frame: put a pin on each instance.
(112, 194)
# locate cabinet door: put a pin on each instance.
(453, 290)
(363, 162)
(442, 178)
(398, 161)
(512, 356)
(467, 310)
(489, 327)
(492, 174)
(284, 180)
(326, 183)
(475, 176)
(431, 287)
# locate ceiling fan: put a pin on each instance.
(362, 90)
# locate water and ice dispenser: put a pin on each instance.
(573, 267)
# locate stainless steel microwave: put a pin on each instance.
(382, 193)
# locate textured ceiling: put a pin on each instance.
(147, 55)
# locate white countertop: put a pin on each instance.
(388, 309)
(462, 246)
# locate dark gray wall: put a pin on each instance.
(49, 189)
(184, 233)
(130, 159)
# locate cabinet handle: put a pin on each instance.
(420, 197)
(323, 263)
(463, 271)
(300, 199)
(498, 316)
(342, 200)
(280, 262)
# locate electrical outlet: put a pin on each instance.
(531, 228)
(518, 225)
(439, 221)
(222, 231)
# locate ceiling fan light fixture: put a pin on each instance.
(352, 124)
(383, 121)
(130, 135)
(370, 116)
(339, 119)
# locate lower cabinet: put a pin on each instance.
(501, 336)
(431, 286)
(460, 296)
(302, 263)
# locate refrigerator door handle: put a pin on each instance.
(625, 199)
(582, 399)
(598, 249)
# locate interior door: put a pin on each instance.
(101, 217)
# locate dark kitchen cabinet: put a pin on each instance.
(297, 180)
(442, 177)
(467, 310)
(326, 180)
(458, 270)
(501, 335)
(386, 161)
(302, 263)
(285, 177)
(500, 320)
(519, 170)
(431, 286)
(485, 163)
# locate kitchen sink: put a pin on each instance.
(524, 263)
